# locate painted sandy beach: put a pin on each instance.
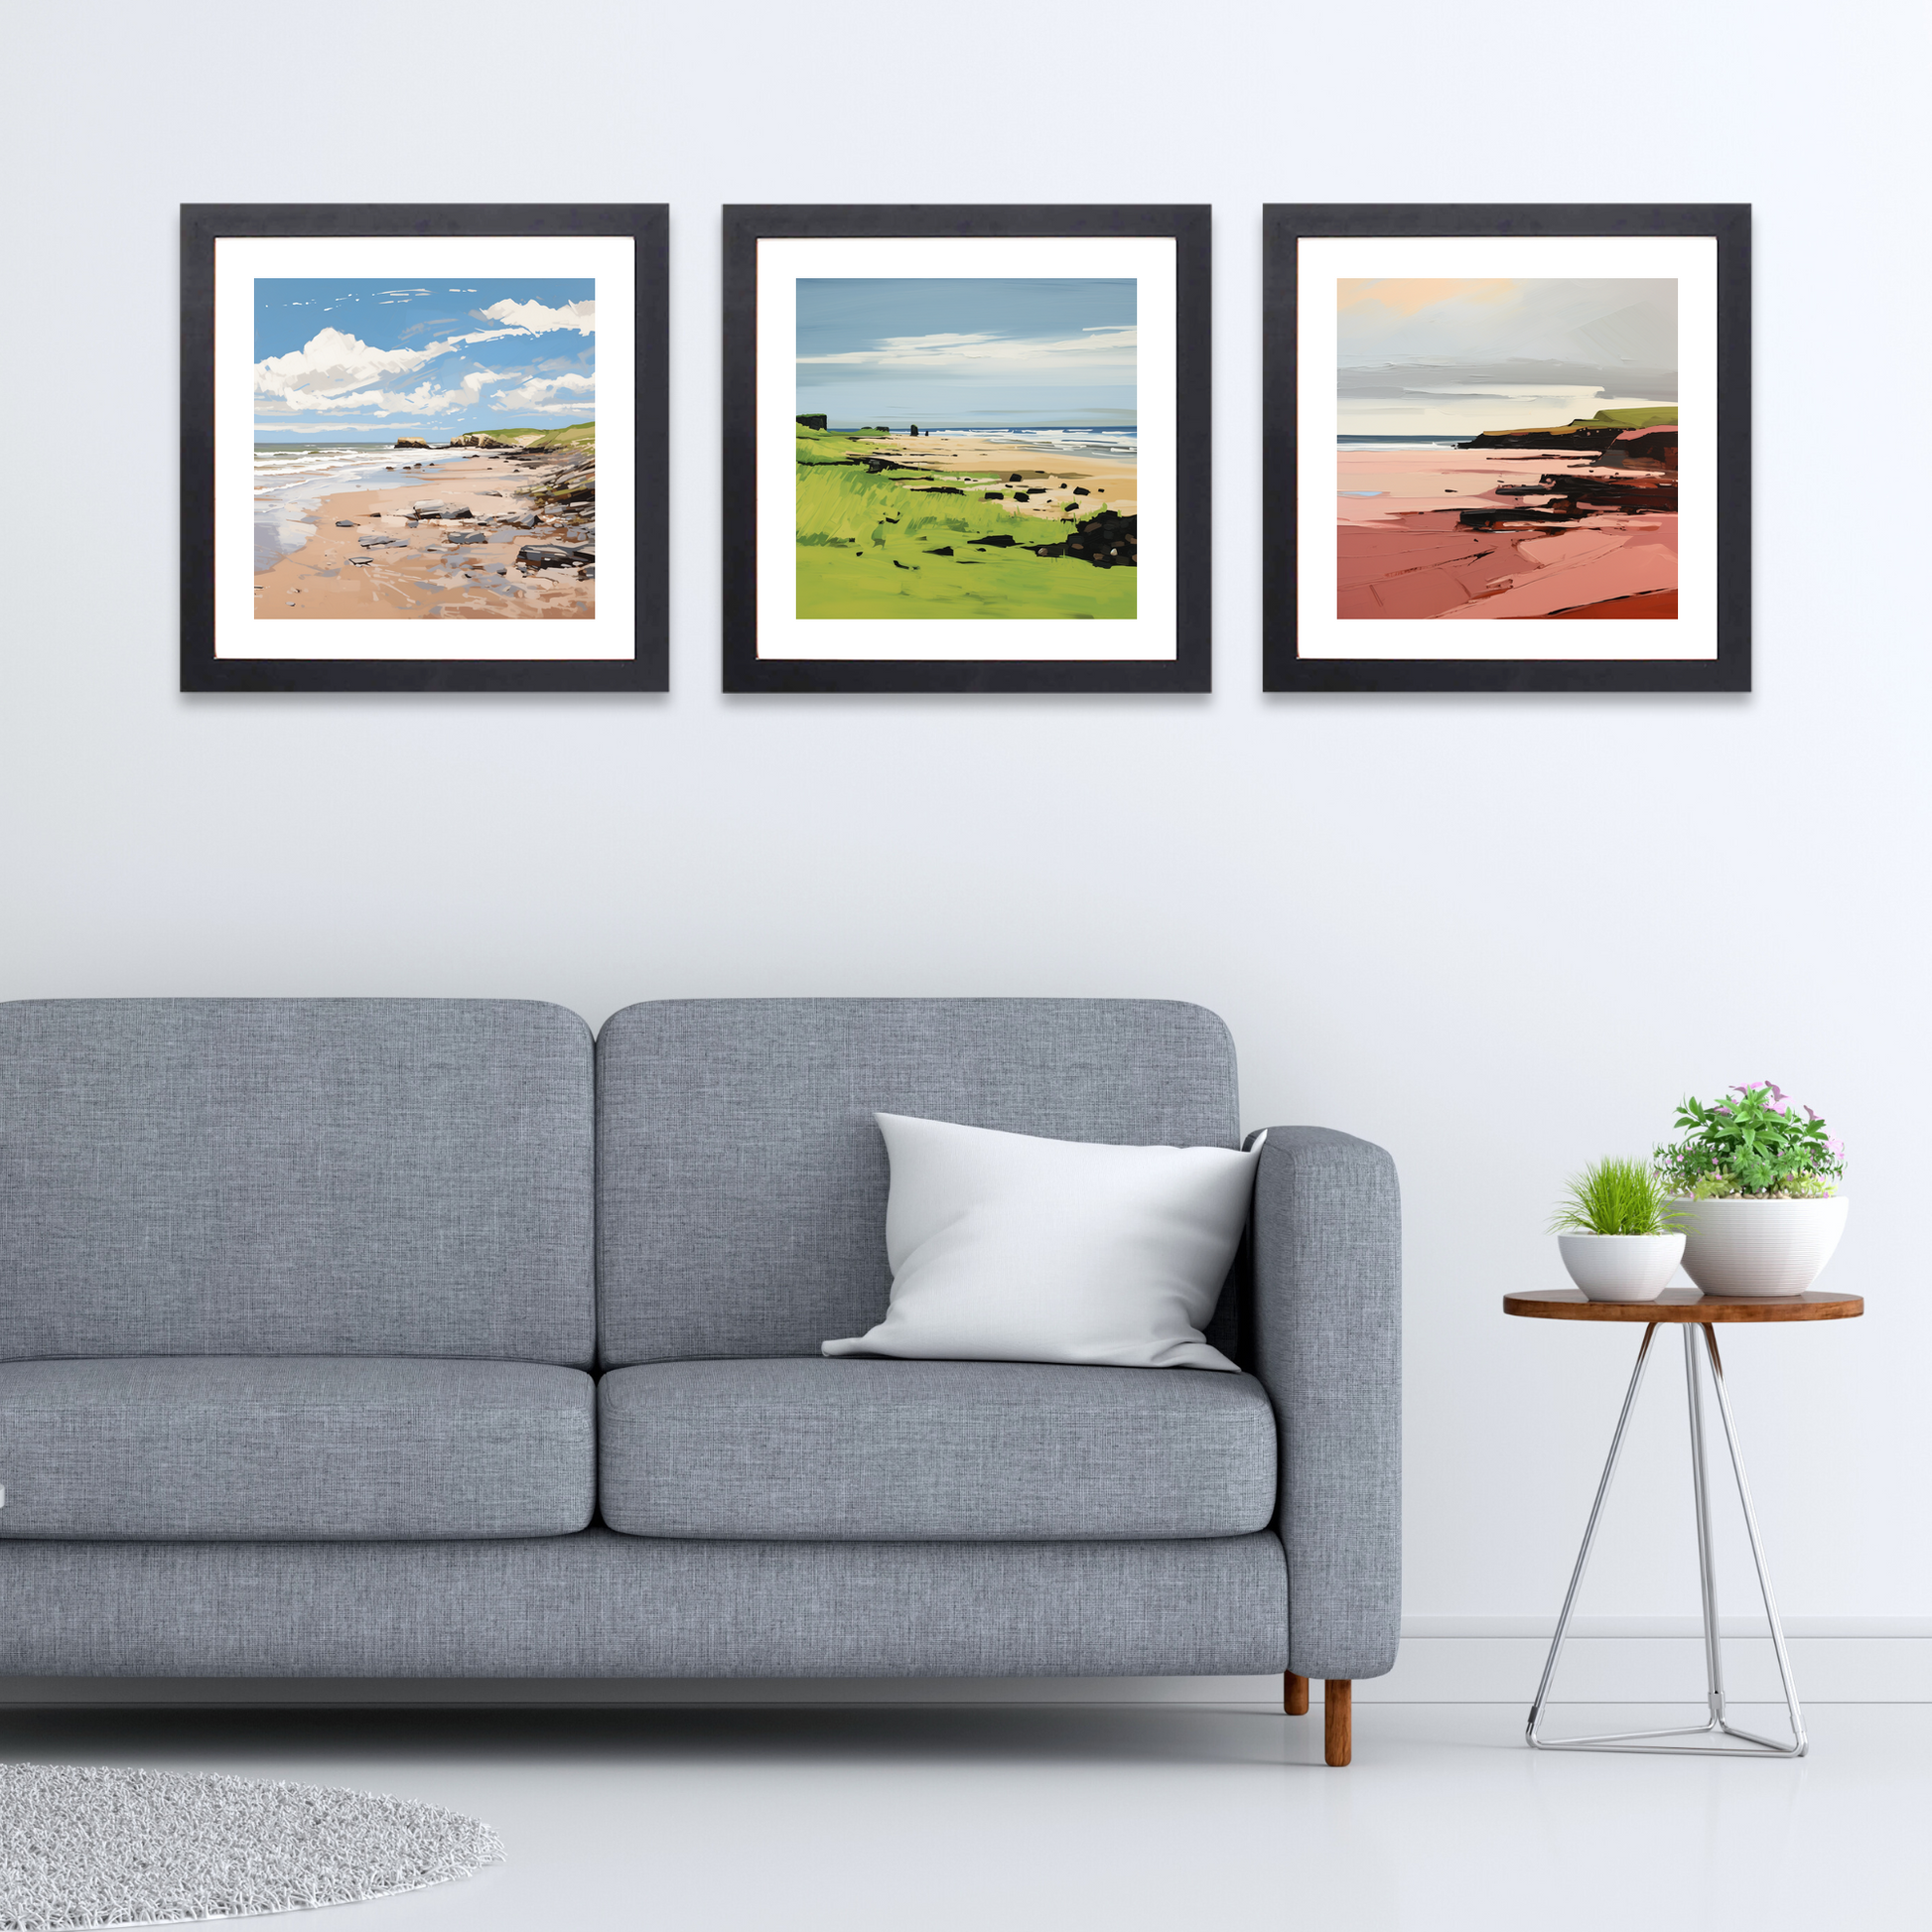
(1519, 533)
(461, 535)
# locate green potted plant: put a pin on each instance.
(1756, 1190)
(1617, 1232)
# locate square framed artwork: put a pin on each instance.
(966, 449)
(423, 449)
(1472, 471)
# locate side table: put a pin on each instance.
(1697, 1315)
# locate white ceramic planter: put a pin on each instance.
(1759, 1247)
(1622, 1267)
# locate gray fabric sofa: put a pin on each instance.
(427, 1338)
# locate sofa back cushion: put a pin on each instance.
(295, 1177)
(742, 1178)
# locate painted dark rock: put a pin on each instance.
(552, 556)
(1572, 497)
(1643, 448)
(1106, 541)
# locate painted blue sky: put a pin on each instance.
(971, 351)
(346, 360)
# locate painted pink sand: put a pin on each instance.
(1592, 565)
(1406, 481)
(1404, 553)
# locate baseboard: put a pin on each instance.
(1644, 1660)
(1444, 1660)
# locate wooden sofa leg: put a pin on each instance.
(1295, 1695)
(1338, 1730)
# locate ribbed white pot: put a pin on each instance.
(1759, 1247)
(1622, 1267)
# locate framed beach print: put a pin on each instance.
(966, 449)
(1507, 448)
(423, 449)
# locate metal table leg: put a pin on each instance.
(1749, 1745)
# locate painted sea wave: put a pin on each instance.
(1119, 440)
(293, 479)
(1401, 442)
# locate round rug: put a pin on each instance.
(90, 1846)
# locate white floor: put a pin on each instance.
(927, 1819)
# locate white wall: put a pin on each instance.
(1498, 934)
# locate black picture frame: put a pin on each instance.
(1284, 226)
(202, 225)
(1190, 670)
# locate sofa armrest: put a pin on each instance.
(1326, 1342)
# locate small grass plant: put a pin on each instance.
(1616, 1196)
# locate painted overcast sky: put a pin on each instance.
(970, 352)
(352, 361)
(1444, 357)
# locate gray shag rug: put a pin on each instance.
(91, 1846)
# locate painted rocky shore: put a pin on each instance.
(564, 499)
(513, 536)
(1571, 520)
(942, 524)
(1643, 457)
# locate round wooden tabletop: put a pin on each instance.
(1687, 1305)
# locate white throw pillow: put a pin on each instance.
(1006, 1248)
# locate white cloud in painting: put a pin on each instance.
(525, 318)
(333, 363)
(425, 399)
(537, 319)
(329, 364)
(1110, 347)
(536, 395)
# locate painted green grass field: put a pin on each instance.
(870, 546)
(574, 436)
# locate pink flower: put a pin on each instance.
(1835, 1146)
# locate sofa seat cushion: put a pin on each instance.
(905, 1450)
(268, 1447)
